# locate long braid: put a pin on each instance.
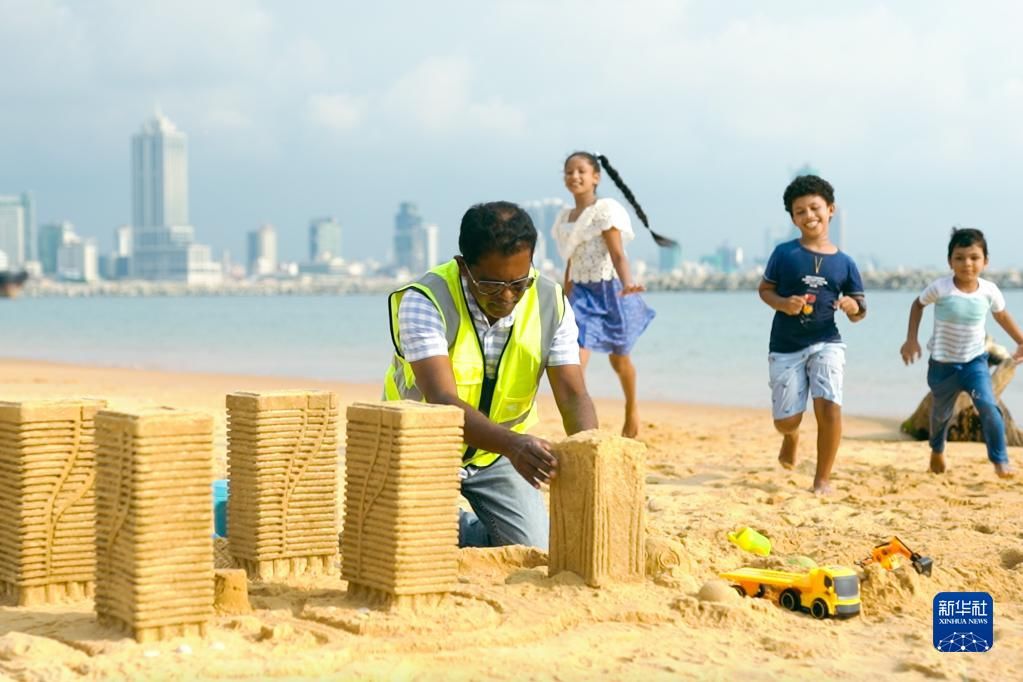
(661, 240)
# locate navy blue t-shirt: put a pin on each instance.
(821, 277)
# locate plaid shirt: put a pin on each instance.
(421, 332)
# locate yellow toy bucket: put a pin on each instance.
(748, 539)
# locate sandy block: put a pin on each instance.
(598, 523)
(154, 573)
(401, 498)
(49, 410)
(156, 421)
(231, 591)
(48, 593)
(276, 569)
(47, 499)
(282, 464)
(281, 400)
(405, 414)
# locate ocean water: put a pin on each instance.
(703, 347)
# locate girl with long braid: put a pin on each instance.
(591, 239)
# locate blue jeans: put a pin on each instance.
(508, 511)
(946, 380)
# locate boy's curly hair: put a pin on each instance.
(805, 185)
(966, 236)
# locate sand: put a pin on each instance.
(709, 470)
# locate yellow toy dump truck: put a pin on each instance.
(823, 591)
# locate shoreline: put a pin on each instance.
(36, 380)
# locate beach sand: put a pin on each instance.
(710, 470)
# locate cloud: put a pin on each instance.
(434, 97)
(338, 113)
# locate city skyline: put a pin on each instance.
(911, 110)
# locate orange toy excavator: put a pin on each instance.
(890, 555)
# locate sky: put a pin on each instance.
(913, 110)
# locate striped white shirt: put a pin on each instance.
(421, 332)
(959, 318)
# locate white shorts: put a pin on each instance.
(816, 371)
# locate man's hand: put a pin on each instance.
(793, 305)
(848, 305)
(1018, 355)
(533, 459)
(910, 351)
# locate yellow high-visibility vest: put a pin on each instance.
(512, 393)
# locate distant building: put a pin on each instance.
(123, 238)
(77, 260)
(544, 212)
(729, 258)
(669, 258)
(52, 237)
(17, 229)
(431, 235)
(409, 239)
(324, 240)
(163, 245)
(262, 251)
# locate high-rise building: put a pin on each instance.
(51, 238)
(17, 229)
(543, 213)
(431, 235)
(262, 251)
(669, 258)
(409, 242)
(123, 239)
(77, 260)
(324, 240)
(163, 245)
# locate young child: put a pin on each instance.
(958, 360)
(591, 238)
(806, 281)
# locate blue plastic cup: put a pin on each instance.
(220, 507)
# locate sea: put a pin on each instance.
(703, 347)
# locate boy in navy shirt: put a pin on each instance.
(806, 281)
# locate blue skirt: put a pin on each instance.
(608, 322)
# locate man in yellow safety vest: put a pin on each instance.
(479, 332)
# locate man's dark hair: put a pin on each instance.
(496, 226)
(966, 236)
(806, 185)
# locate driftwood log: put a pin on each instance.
(965, 424)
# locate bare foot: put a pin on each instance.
(787, 454)
(631, 427)
(938, 463)
(1005, 470)
(822, 488)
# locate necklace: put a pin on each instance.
(818, 261)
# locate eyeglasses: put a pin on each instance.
(495, 288)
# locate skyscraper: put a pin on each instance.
(17, 229)
(409, 244)
(262, 252)
(162, 245)
(324, 240)
(77, 260)
(669, 259)
(544, 212)
(51, 238)
(431, 235)
(159, 179)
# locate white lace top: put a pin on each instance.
(582, 241)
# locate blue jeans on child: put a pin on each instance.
(946, 380)
(508, 511)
